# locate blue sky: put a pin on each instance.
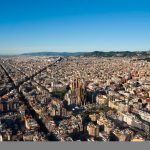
(74, 25)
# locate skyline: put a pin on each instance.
(71, 26)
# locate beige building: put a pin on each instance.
(94, 117)
(93, 130)
(105, 124)
(101, 99)
(123, 135)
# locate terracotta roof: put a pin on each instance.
(5, 97)
(148, 100)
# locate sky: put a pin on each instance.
(74, 25)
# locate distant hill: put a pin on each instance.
(118, 54)
(54, 54)
(94, 54)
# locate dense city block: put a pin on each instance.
(74, 98)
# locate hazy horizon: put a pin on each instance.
(72, 52)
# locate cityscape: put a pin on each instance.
(74, 98)
(74, 71)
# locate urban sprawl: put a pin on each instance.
(74, 99)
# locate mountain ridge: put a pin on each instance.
(94, 53)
